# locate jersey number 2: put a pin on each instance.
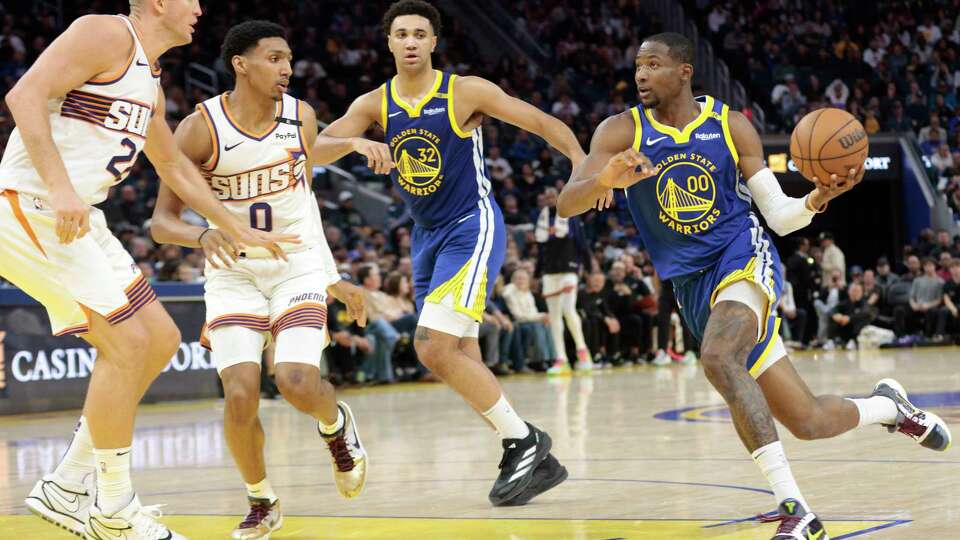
(261, 216)
(122, 159)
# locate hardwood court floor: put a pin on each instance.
(651, 455)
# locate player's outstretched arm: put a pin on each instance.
(181, 175)
(91, 46)
(478, 95)
(344, 135)
(167, 227)
(611, 164)
(782, 213)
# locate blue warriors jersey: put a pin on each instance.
(440, 171)
(697, 205)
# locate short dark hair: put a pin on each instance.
(391, 285)
(679, 46)
(245, 36)
(927, 260)
(364, 272)
(412, 7)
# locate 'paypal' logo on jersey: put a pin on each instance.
(706, 136)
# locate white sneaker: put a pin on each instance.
(135, 522)
(851, 345)
(584, 365)
(922, 426)
(559, 367)
(662, 358)
(689, 359)
(62, 503)
(829, 345)
(348, 455)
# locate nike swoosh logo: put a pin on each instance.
(394, 114)
(139, 63)
(123, 453)
(655, 141)
(814, 536)
(229, 148)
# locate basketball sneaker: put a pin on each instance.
(923, 426)
(263, 519)
(796, 523)
(521, 457)
(584, 362)
(62, 503)
(135, 522)
(689, 358)
(546, 476)
(559, 367)
(662, 358)
(348, 455)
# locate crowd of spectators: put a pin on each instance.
(897, 72)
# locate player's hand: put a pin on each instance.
(377, 154)
(606, 201)
(247, 236)
(626, 169)
(833, 187)
(352, 297)
(216, 245)
(73, 215)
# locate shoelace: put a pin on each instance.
(913, 426)
(257, 514)
(788, 524)
(341, 453)
(145, 523)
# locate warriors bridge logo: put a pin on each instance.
(417, 155)
(687, 193)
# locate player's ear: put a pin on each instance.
(686, 71)
(239, 64)
(433, 43)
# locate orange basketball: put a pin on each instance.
(828, 141)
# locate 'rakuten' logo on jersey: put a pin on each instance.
(257, 183)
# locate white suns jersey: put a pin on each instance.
(99, 129)
(261, 177)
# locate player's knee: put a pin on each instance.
(241, 400)
(293, 381)
(432, 354)
(164, 341)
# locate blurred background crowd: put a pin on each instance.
(896, 69)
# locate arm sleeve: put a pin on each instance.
(783, 214)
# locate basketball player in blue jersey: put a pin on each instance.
(432, 124)
(682, 162)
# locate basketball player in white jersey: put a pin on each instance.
(253, 145)
(84, 111)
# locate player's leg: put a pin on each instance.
(552, 284)
(568, 305)
(298, 312)
(811, 417)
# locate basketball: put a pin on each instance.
(828, 141)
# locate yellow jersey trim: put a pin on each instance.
(758, 365)
(450, 114)
(747, 273)
(414, 112)
(682, 136)
(457, 286)
(725, 122)
(637, 130)
(383, 107)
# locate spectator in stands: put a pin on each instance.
(932, 134)
(794, 318)
(378, 364)
(833, 259)
(926, 295)
(948, 318)
(531, 323)
(942, 159)
(943, 265)
(804, 276)
(898, 122)
(826, 300)
(498, 167)
(349, 346)
(849, 317)
(346, 216)
(600, 325)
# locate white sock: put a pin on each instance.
(335, 427)
(114, 488)
(876, 410)
(507, 422)
(262, 490)
(78, 462)
(775, 467)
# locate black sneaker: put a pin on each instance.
(546, 476)
(796, 523)
(520, 459)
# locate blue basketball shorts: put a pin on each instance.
(457, 264)
(750, 257)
